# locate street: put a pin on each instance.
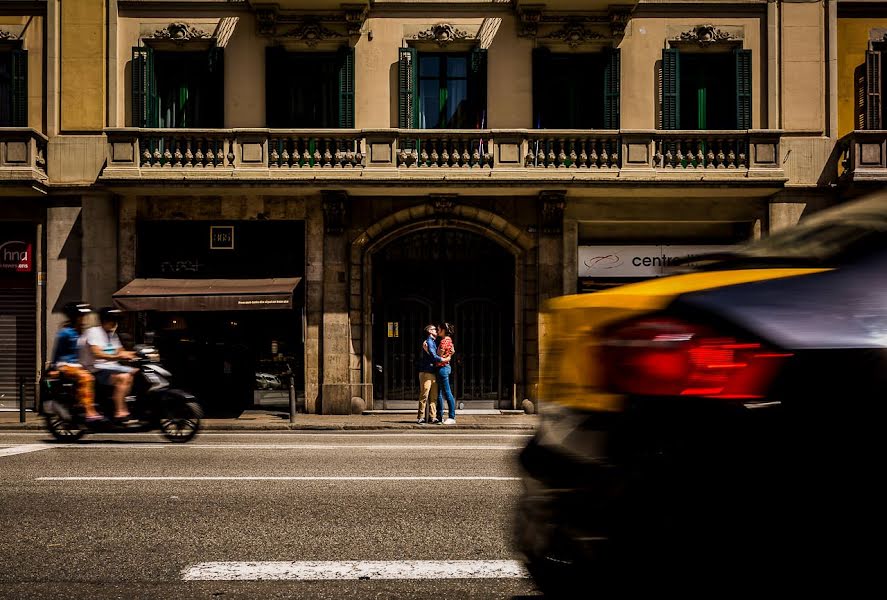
(270, 515)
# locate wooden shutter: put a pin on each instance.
(346, 88)
(407, 86)
(873, 90)
(743, 88)
(216, 69)
(19, 88)
(477, 86)
(144, 101)
(541, 91)
(611, 88)
(671, 89)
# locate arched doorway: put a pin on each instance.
(444, 274)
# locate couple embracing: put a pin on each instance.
(434, 374)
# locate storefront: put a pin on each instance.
(224, 305)
(18, 312)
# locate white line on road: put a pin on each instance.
(276, 478)
(23, 449)
(222, 446)
(281, 433)
(353, 569)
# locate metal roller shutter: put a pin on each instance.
(18, 345)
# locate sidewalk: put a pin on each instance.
(261, 420)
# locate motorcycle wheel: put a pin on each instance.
(64, 430)
(182, 423)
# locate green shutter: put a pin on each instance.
(144, 96)
(477, 86)
(407, 88)
(671, 88)
(743, 88)
(611, 89)
(873, 90)
(19, 88)
(541, 93)
(216, 69)
(346, 89)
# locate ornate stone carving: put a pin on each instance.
(705, 35)
(266, 20)
(619, 16)
(530, 17)
(311, 32)
(355, 17)
(443, 204)
(574, 34)
(180, 32)
(334, 211)
(552, 205)
(6, 35)
(442, 33)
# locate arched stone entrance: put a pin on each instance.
(468, 251)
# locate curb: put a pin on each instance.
(306, 427)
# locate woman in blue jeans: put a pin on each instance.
(446, 351)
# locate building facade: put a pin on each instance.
(293, 189)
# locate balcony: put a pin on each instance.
(411, 155)
(864, 157)
(22, 155)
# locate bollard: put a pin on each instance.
(292, 399)
(21, 400)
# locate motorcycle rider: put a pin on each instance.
(101, 353)
(66, 358)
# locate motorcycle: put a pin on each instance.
(153, 404)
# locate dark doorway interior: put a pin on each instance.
(444, 275)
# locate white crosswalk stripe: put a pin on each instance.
(23, 449)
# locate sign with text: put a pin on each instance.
(16, 256)
(221, 237)
(636, 261)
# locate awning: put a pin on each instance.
(184, 295)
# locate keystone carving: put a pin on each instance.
(705, 35)
(442, 33)
(574, 33)
(180, 32)
(443, 204)
(311, 32)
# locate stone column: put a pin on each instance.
(335, 391)
(550, 266)
(63, 265)
(126, 239)
(313, 303)
(571, 255)
(99, 249)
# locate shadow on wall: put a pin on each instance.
(394, 92)
(71, 253)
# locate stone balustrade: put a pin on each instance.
(22, 154)
(396, 153)
(864, 157)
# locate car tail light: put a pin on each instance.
(670, 357)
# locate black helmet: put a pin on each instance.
(75, 310)
(109, 313)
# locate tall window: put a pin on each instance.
(439, 90)
(871, 112)
(13, 88)
(310, 89)
(177, 89)
(710, 90)
(576, 91)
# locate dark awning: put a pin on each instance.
(184, 295)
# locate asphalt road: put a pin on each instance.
(131, 516)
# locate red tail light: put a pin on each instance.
(669, 357)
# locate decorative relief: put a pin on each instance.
(355, 17)
(334, 211)
(443, 33)
(444, 204)
(311, 32)
(574, 33)
(705, 35)
(529, 18)
(7, 35)
(179, 32)
(552, 211)
(619, 17)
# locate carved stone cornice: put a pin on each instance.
(552, 204)
(574, 33)
(179, 32)
(335, 207)
(311, 31)
(705, 35)
(443, 34)
(355, 17)
(619, 17)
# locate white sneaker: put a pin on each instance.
(420, 422)
(449, 422)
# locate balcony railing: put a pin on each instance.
(22, 154)
(471, 154)
(864, 156)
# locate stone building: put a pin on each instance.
(299, 186)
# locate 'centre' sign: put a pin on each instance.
(635, 261)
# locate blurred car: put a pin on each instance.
(267, 381)
(724, 422)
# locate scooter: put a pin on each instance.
(152, 405)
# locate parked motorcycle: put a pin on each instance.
(152, 405)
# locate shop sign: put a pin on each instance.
(636, 261)
(221, 237)
(16, 256)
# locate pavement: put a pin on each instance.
(269, 420)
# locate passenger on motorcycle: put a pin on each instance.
(101, 353)
(66, 359)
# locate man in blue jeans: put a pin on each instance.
(428, 376)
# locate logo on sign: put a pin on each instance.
(16, 256)
(221, 237)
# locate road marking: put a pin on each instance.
(427, 435)
(23, 449)
(354, 569)
(276, 478)
(223, 446)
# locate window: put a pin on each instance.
(13, 88)
(696, 94)
(870, 111)
(576, 91)
(177, 89)
(310, 89)
(440, 90)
